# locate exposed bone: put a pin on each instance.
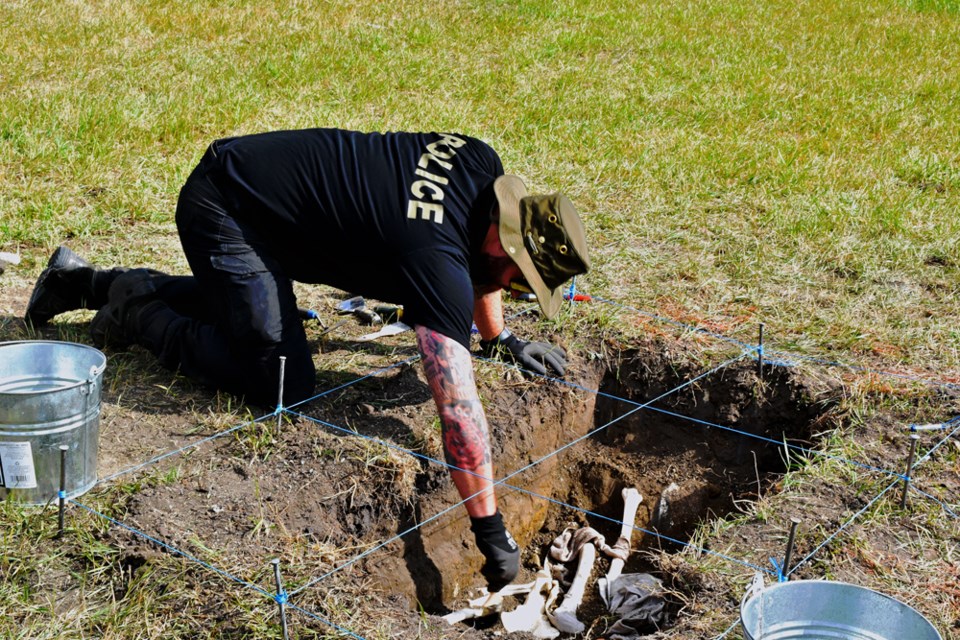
(467, 613)
(663, 516)
(564, 617)
(487, 603)
(509, 590)
(531, 615)
(631, 501)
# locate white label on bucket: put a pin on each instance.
(16, 466)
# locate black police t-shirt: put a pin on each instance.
(392, 216)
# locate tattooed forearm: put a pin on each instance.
(465, 442)
(439, 361)
(450, 375)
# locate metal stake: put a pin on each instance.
(787, 556)
(283, 366)
(62, 494)
(760, 354)
(906, 480)
(281, 597)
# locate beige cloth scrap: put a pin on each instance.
(568, 544)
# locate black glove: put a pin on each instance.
(529, 355)
(499, 548)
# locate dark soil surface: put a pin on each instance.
(335, 490)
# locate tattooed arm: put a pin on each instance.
(466, 443)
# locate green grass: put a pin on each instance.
(795, 164)
(736, 162)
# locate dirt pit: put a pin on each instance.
(337, 495)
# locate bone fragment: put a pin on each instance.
(467, 613)
(487, 603)
(564, 617)
(531, 615)
(509, 590)
(663, 516)
(631, 501)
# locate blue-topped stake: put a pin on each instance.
(906, 474)
(778, 570)
(281, 597)
(62, 494)
(760, 354)
(283, 366)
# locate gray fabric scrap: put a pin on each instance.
(637, 599)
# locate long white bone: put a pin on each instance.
(530, 616)
(487, 603)
(564, 617)
(631, 501)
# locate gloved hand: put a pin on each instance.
(499, 548)
(529, 355)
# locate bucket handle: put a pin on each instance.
(95, 371)
(91, 385)
(757, 585)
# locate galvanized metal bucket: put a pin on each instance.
(818, 609)
(49, 399)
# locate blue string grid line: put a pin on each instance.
(822, 545)
(943, 505)
(286, 596)
(781, 357)
(347, 632)
(229, 430)
(502, 481)
(220, 572)
(927, 456)
(176, 551)
(495, 482)
(183, 449)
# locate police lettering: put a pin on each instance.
(429, 191)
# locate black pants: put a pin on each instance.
(229, 323)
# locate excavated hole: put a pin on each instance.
(688, 472)
(316, 496)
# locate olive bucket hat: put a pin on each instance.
(544, 236)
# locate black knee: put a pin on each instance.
(261, 378)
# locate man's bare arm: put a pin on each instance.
(466, 441)
(488, 314)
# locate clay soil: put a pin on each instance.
(336, 488)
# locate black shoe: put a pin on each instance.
(116, 322)
(66, 284)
